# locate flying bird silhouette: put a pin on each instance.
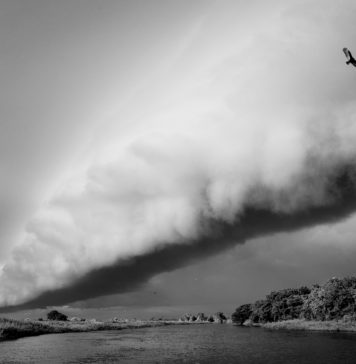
(349, 57)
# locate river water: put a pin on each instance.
(184, 344)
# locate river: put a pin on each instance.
(184, 344)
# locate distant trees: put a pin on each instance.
(217, 317)
(56, 316)
(333, 300)
(201, 317)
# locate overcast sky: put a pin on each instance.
(130, 130)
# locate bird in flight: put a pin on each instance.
(349, 57)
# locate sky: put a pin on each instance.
(174, 153)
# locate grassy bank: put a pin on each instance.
(15, 329)
(300, 324)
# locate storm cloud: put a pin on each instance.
(127, 275)
(244, 132)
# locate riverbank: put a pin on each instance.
(15, 329)
(300, 324)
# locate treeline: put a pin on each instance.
(333, 300)
(218, 317)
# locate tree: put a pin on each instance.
(56, 316)
(241, 314)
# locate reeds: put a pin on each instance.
(13, 329)
(300, 324)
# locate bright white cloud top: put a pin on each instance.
(235, 105)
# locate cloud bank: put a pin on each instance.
(250, 130)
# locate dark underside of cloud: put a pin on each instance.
(128, 275)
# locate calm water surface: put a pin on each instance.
(184, 344)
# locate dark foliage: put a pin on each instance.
(242, 314)
(333, 300)
(56, 316)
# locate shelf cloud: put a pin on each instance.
(249, 129)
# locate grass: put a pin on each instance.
(299, 324)
(15, 329)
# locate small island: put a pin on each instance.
(327, 307)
